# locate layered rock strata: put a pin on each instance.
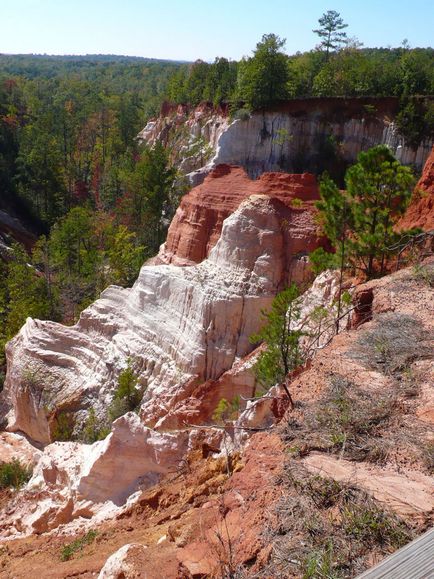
(198, 222)
(179, 326)
(301, 135)
(420, 212)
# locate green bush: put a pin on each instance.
(71, 548)
(64, 427)
(226, 411)
(14, 475)
(127, 395)
(242, 114)
(93, 429)
(320, 260)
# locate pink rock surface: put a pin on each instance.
(198, 222)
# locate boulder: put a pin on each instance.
(126, 563)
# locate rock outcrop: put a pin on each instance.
(16, 447)
(74, 480)
(127, 563)
(191, 523)
(180, 326)
(420, 212)
(198, 222)
(301, 135)
(192, 135)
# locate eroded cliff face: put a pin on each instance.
(420, 212)
(198, 222)
(200, 518)
(302, 135)
(180, 326)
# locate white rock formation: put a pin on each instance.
(274, 141)
(319, 310)
(16, 447)
(75, 480)
(126, 563)
(176, 324)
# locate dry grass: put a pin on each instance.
(346, 421)
(396, 341)
(326, 529)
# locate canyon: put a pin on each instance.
(165, 481)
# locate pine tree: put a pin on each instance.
(282, 353)
(379, 190)
(360, 221)
(331, 25)
(336, 217)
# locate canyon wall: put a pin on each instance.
(420, 212)
(180, 326)
(302, 135)
(198, 222)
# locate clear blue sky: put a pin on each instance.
(190, 29)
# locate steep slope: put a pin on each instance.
(199, 521)
(301, 135)
(421, 210)
(180, 326)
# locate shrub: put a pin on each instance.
(71, 548)
(14, 475)
(322, 528)
(296, 203)
(345, 421)
(226, 410)
(242, 114)
(282, 353)
(395, 342)
(320, 260)
(127, 395)
(64, 427)
(93, 430)
(424, 274)
(126, 389)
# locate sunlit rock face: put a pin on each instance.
(300, 135)
(179, 325)
(75, 481)
(420, 212)
(198, 222)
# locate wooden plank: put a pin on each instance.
(414, 561)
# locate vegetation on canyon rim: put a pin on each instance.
(98, 231)
(359, 222)
(72, 168)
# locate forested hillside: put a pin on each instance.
(271, 76)
(72, 171)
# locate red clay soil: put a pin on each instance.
(198, 222)
(421, 210)
(188, 509)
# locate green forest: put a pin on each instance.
(97, 203)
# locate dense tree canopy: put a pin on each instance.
(263, 78)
